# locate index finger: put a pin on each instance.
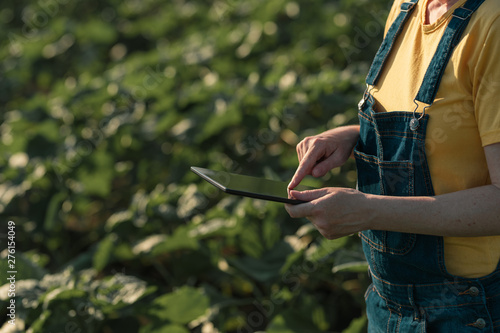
(305, 166)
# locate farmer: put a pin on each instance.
(427, 150)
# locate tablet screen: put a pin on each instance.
(254, 187)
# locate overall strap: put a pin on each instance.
(391, 36)
(451, 37)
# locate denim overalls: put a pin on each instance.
(411, 289)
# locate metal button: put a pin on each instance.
(414, 124)
(480, 323)
(473, 291)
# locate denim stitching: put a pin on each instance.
(428, 182)
(427, 285)
(362, 115)
(428, 307)
(449, 306)
(368, 291)
(375, 268)
(409, 244)
(387, 45)
(386, 134)
(399, 322)
(424, 324)
(403, 134)
(389, 320)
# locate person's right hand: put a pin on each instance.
(320, 153)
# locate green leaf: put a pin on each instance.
(326, 248)
(215, 227)
(104, 251)
(120, 290)
(180, 240)
(67, 309)
(97, 176)
(170, 328)
(181, 306)
(267, 267)
(291, 321)
(26, 269)
(352, 267)
(270, 232)
(219, 121)
(250, 241)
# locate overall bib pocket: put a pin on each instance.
(386, 178)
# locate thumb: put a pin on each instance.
(308, 195)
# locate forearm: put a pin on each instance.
(472, 212)
(355, 130)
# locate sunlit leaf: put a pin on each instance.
(181, 306)
(120, 290)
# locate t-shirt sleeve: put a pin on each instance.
(486, 86)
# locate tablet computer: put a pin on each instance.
(247, 186)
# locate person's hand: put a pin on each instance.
(334, 211)
(320, 153)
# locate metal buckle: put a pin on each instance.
(365, 97)
(415, 121)
(407, 6)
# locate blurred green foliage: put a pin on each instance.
(105, 105)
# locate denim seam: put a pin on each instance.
(395, 136)
(375, 268)
(409, 306)
(387, 116)
(389, 164)
(428, 182)
(366, 118)
(411, 181)
(382, 61)
(368, 291)
(386, 164)
(399, 321)
(387, 301)
(387, 44)
(441, 260)
(389, 319)
(385, 249)
(399, 133)
(364, 157)
(424, 326)
(430, 285)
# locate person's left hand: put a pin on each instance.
(336, 212)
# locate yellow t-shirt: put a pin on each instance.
(464, 117)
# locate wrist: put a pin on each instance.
(371, 212)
